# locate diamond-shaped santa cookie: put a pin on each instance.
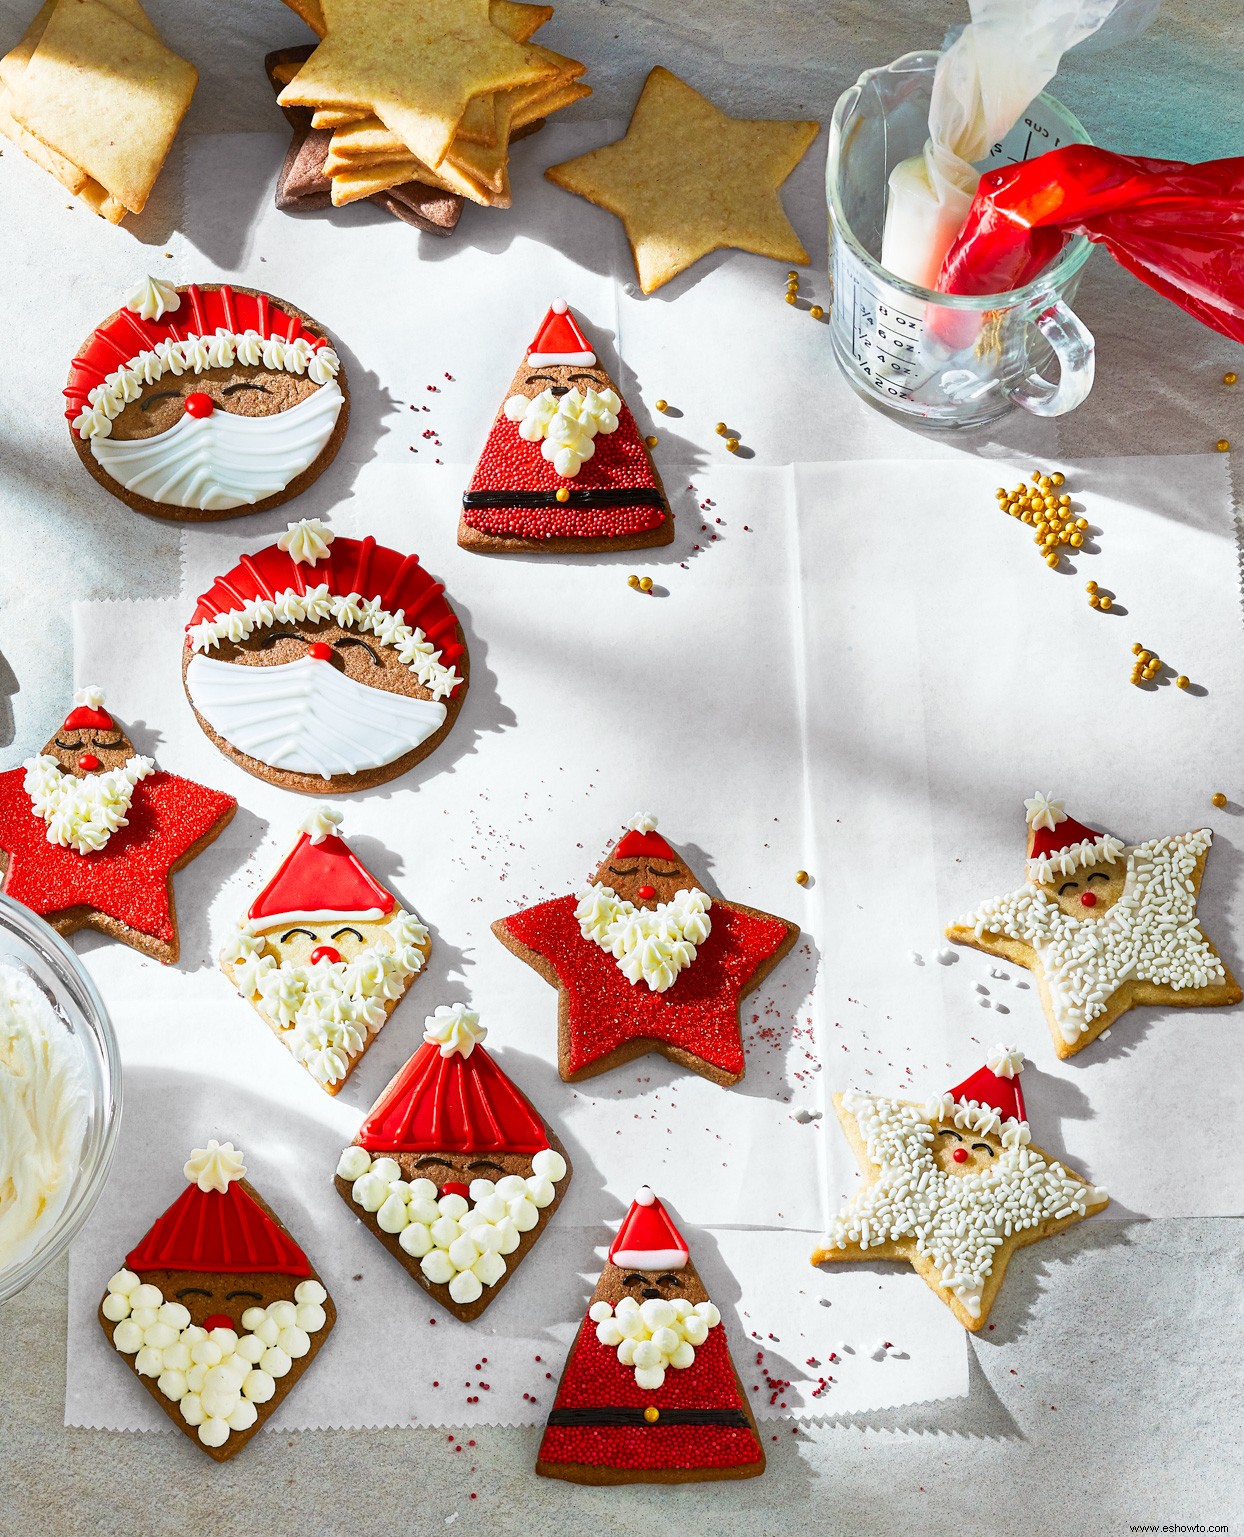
(454, 1170)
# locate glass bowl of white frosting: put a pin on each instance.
(60, 1095)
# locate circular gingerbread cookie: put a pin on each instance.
(325, 664)
(206, 401)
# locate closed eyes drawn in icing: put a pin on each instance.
(244, 384)
(982, 1147)
(945, 1131)
(146, 403)
(658, 874)
(194, 1291)
(484, 1163)
(340, 932)
(353, 640)
(427, 1162)
(270, 638)
(1097, 875)
(289, 934)
(87, 741)
(620, 870)
(595, 380)
(229, 1296)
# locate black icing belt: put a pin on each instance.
(734, 1419)
(638, 496)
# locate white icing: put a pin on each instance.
(652, 944)
(645, 822)
(307, 717)
(222, 460)
(152, 299)
(43, 1116)
(306, 541)
(1044, 811)
(322, 823)
(565, 425)
(1076, 856)
(654, 1335)
(327, 1013)
(454, 1028)
(459, 1243)
(82, 813)
(216, 1378)
(350, 610)
(214, 1167)
(91, 697)
(957, 1220)
(1151, 933)
(1006, 1061)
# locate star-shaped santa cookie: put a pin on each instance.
(645, 960)
(1104, 926)
(91, 833)
(953, 1187)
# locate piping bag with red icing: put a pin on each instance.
(1177, 227)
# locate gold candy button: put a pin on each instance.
(652, 1414)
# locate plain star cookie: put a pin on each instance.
(649, 1393)
(564, 469)
(644, 960)
(206, 401)
(1104, 926)
(325, 953)
(953, 1187)
(217, 1310)
(91, 833)
(453, 1169)
(324, 664)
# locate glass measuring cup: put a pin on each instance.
(945, 360)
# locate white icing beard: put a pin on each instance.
(654, 1335)
(82, 814)
(307, 716)
(328, 1012)
(223, 460)
(459, 1243)
(957, 1220)
(1150, 934)
(564, 425)
(649, 944)
(216, 1379)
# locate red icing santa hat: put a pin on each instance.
(199, 311)
(89, 711)
(996, 1085)
(559, 340)
(1059, 845)
(643, 841)
(321, 879)
(648, 1239)
(451, 1096)
(215, 1226)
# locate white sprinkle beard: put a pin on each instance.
(223, 460)
(82, 813)
(308, 717)
(649, 944)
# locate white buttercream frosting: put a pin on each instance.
(652, 945)
(321, 823)
(82, 813)
(454, 1028)
(152, 299)
(565, 425)
(307, 540)
(214, 1167)
(654, 1335)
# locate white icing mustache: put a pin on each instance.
(219, 461)
(307, 717)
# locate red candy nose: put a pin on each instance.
(646, 893)
(1088, 899)
(456, 1187)
(88, 763)
(199, 404)
(320, 650)
(960, 1155)
(218, 1321)
(325, 953)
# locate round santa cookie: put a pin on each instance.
(325, 664)
(206, 401)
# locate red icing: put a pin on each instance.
(595, 1378)
(1088, 899)
(1049, 840)
(328, 953)
(636, 845)
(699, 1014)
(456, 1187)
(989, 1088)
(559, 332)
(351, 565)
(199, 404)
(128, 879)
(89, 763)
(646, 893)
(452, 1104)
(510, 463)
(960, 1155)
(225, 1232)
(200, 313)
(320, 650)
(320, 877)
(218, 1321)
(647, 1228)
(83, 717)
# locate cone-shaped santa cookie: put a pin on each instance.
(564, 469)
(649, 1393)
(325, 952)
(217, 1309)
(454, 1170)
(953, 1187)
(206, 401)
(644, 960)
(91, 833)
(325, 664)
(1104, 926)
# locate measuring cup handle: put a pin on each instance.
(1072, 342)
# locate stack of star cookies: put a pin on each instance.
(92, 94)
(427, 91)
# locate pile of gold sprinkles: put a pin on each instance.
(1148, 665)
(1047, 509)
(792, 295)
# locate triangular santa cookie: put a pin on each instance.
(325, 952)
(454, 1170)
(217, 1309)
(649, 1393)
(565, 469)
